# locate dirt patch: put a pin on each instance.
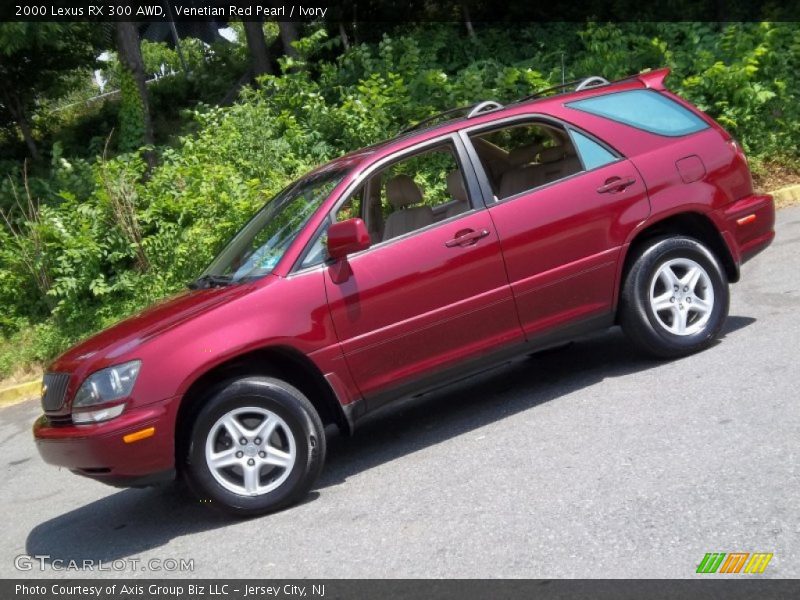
(769, 176)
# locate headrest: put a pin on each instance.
(486, 149)
(401, 191)
(455, 186)
(524, 154)
(552, 154)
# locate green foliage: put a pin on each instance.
(40, 61)
(747, 79)
(107, 241)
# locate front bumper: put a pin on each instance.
(749, 225)
(100, 452)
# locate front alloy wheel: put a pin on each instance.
(256, 446)
(250, 451)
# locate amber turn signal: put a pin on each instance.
(139, 435)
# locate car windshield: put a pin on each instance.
(259, 245)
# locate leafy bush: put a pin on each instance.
(104, 239)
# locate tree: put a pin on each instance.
(136, 124)
(343, 37)
(39, 61)
(468, 22)
(288, 36)
(257, 45)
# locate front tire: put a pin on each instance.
(675, 298)
(257, 446)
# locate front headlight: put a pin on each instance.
(107, 385)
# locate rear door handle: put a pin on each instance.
(466, 237)
(615, 184)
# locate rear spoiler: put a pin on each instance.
(654, 80)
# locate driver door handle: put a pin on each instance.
(466, 237)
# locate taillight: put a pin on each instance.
(738, 150)
(740, 191)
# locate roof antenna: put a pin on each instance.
(563, 73)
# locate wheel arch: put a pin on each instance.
(692, 224)
(280, 362)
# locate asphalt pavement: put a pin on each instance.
(589, 461)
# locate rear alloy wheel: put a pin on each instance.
(675, 298)
(682, 296)
(257, 446)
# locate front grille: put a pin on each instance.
(55, 391)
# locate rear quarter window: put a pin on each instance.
(643, 109)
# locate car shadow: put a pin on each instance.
(410, 425)
(735, 323)
(123, 524)
(132, 521)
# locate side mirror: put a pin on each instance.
(347, 237)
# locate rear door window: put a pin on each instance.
(520, 157)
(643, 109)
(592, 154)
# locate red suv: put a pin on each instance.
(399, 267)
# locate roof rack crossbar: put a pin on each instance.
(484, 107)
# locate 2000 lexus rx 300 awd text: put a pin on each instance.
(398, 267)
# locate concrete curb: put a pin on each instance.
(19, 393)
(787, 195)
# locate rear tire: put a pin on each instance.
(675, 298)
(257, 446)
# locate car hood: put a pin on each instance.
(118, 342)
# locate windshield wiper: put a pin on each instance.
(209, 281)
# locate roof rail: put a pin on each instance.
(542, 92)
(432, 118)
(473, 110)
(591, 82)
(649, 78)
(484, 107)
(654, 79)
